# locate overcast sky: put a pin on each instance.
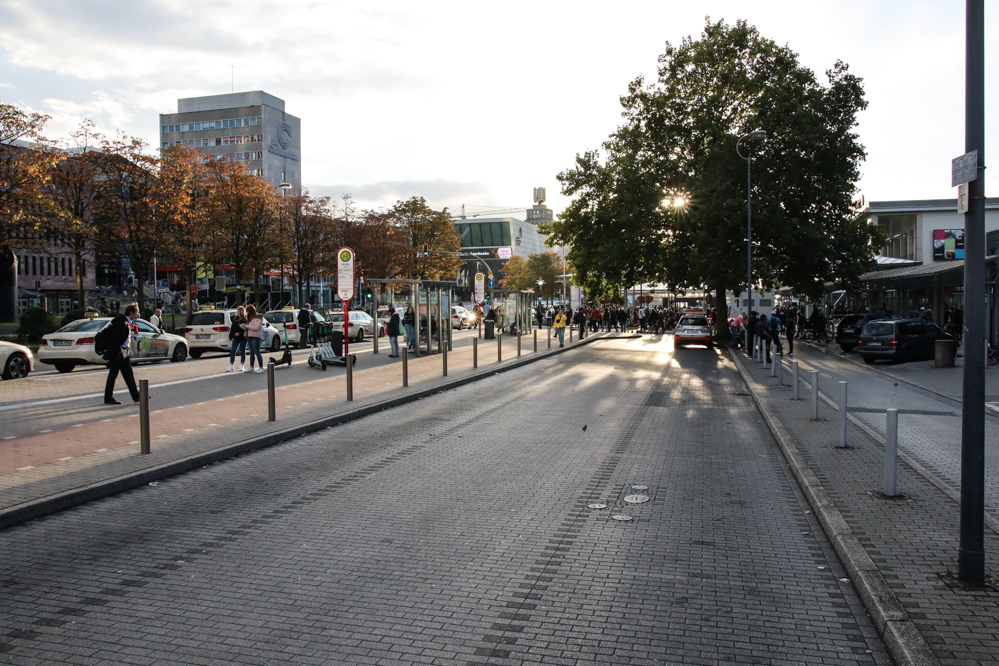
(470, 102)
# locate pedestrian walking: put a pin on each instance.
(237, 339)
(254, 332)
(789, 329)
(393, 331)
(116, 350)
(560, 322)
(409, 324)
(304, 325)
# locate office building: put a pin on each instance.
(252, 127)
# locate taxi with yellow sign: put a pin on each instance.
(73, 344)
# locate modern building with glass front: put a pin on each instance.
(252, 127)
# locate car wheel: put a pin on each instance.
(196, 353)
(869, 360)
(360, 335)
(847, 348)
(16, 366)
(276, 344)
(179, 354)
(65, 367)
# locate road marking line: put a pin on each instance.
(24, 469)
(78, 425)
(44, 431)
(66, 458)
(102, 450)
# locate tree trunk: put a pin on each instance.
(189, 305)
(722, 334)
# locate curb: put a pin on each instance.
(23, 513)
(899, 634)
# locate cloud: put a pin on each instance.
(438, 192)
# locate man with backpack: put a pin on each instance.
(774, 328)
(113, 343)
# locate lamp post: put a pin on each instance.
(284, 191)
(755, 135)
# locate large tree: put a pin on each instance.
(679, 141)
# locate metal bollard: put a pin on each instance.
(842, 415)
(475, 352)
(779, 365)
(535, 341)
(569, 326)
(549, 339)
(773, 367)
(405, 366)
(519, 336)
(444, 357)
(891, 451)
(271, 399)
(144, 416)
(350, 377)
(795, 389)
(815, 394)
(499, 347)
(766, 361)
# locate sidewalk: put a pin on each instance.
(900, 552)
(65, 466)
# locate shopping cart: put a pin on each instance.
(327, 346)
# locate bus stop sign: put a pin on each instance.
(345, 274)
(480, 287)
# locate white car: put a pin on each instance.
(461, 318)
(209, 331)
(286, 320)
(73, 344)
(17, 360)
(693, 327)
(360, 324)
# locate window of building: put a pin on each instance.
(34, 265)
(71, 266)
(900, 231)
(63, 262)
(49, 262)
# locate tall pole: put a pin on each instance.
(749, 230)
(971, 554)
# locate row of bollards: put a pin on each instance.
(891, 415)
(144, 429)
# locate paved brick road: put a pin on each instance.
(458, 530)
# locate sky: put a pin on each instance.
(476, 103)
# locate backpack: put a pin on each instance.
(102, 340)
(773, 324)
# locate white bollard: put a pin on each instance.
(891, 451)
(815, 394)
(795, 394)
(842, 415)
(779, 365)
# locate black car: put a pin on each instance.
(850, 326)
(900, 340)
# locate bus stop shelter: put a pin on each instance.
(431, 302)
(514, 310)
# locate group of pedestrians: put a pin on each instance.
(787, 322)
(246, 329)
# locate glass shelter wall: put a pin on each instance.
(431, 304)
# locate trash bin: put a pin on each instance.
(336, 343)
(943, 353)
(490, 330)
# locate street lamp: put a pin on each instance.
(755, 135)
(284, 191)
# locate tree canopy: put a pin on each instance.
(678, 144)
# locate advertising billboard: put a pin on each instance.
(948, 244)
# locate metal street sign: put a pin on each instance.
(490, 283)
(480, 287)
(964, 169)
(962, 198)
(345, 274)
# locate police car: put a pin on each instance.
(209, 331)
(73, 344)
(693, 328)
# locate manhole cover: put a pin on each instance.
(639, 487)
(636, 499)
(620, 517)
(597, 506)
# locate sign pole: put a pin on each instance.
(971, 553)
(345, 290)
(479, 295)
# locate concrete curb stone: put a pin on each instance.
(23, 513)
(905, 643)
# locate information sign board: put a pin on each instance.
(962, 198)
(964, 169)
(345, 274)
(480, 287)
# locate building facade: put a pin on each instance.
(251, 127)
(927, 231)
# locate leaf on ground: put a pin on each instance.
(584, 428)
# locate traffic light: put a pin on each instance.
(426, 251)
(368, 295)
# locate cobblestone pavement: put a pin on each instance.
(464, 528)
(913, 539)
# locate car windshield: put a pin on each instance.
(849, 320)
(336, 318)
(81, 325)
(878, 328)
(208, 319)
(279, 317)
(694, 321)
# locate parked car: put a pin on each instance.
(359, 325)
(461, 318)
(17, 360)
(209, 331)
(287, 320)
(73, 344)
(849, 327)
(900, 340)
